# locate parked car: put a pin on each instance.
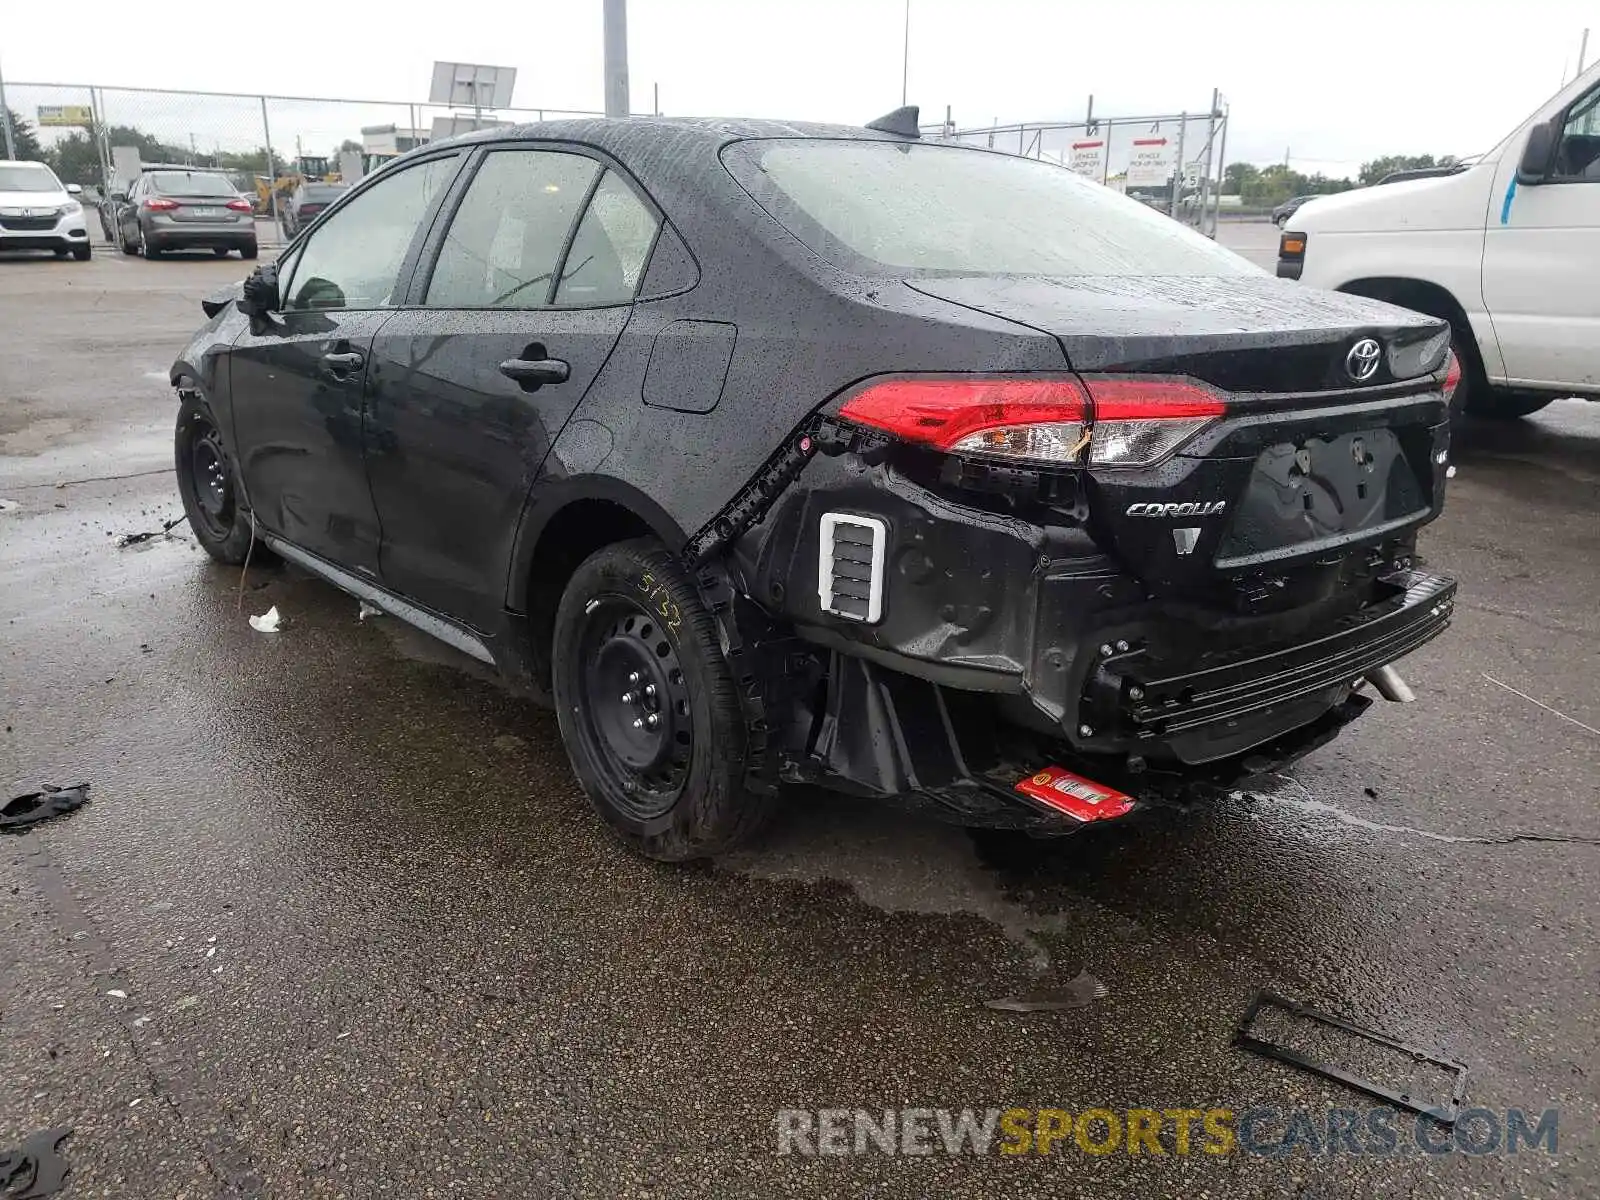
(39, 212)
(1507, 250)
(173, 209)
(1282, 213)
(772, 452)
(306, 202)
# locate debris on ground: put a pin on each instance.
(267, 622)
(22, 812)
(133, 539)
(367, 610)
(6, 505)
(1444, 1112)
(1080, 991)
(35, 1169)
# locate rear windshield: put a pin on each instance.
(185, 183)
(908, 208)
(323, 193)
(28, 179)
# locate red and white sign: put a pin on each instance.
(1088, 158)
(1077, 797)
(1152, 163)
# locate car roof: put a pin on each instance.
(24, 162)
(630, 136)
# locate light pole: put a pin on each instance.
(616, 50)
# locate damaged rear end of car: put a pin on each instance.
(1165, 545)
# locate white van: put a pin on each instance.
(1507, 250)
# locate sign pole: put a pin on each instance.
(5, 120)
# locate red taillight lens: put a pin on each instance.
(239, 205)
(156, 204)
(1047, 420)
(1452, 376)
(1040, 419)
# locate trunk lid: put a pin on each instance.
(1309, 462)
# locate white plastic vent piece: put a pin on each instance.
(850, 566)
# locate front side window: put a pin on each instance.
(609, 251)
(506, 238)
(1578, 154)
(353, 259)
(896, 208)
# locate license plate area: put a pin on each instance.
(1321, 491)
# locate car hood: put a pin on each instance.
(1249, 332)
(33, 199)
(1443, 202)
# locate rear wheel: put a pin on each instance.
(145, 248)
(209, 486)
(648, 708)
(249, 251)
(1506, 406)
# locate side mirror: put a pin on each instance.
(74, 189)
(1537, 154)
(119, 197)
(258, 297)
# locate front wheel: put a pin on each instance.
(648, 708)
(82, 253)
(209, 486)
(249, 251)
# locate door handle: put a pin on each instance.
(533, 372)
(349, 360)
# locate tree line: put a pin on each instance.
(1276, 183)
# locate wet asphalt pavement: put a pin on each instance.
(372, 943)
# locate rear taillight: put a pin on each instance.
(1452, 376)
(1041, 420)
(1140, 421)
(239, 205)
(1034, 418)
(156, 204)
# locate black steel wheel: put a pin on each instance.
(209, 485)
(648, 708)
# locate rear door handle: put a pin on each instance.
(532, 372)
(349, 360)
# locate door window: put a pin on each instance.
(507, 236)
(353, 261)
(608, 254)
(1578, 154)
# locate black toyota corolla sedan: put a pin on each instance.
(774, 453)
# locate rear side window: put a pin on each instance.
(896, 208)
(353, 259)
(608, 254)
(506, 238)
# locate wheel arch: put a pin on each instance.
(561, 526)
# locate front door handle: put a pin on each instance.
(533, 372)
(349, 360)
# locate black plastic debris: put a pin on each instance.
(1444, 1112)
(35, 1169)
(23, 812)
(1080, 991)
(133, 539)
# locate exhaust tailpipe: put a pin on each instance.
(1390, 686)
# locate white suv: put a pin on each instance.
(38, 213)
(1507, 250)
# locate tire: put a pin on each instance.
(250, 251)
(1280, 222)
(82, 253)
(129, 249)
(145, 248)
(1505, 406)
(632, 641)
(208, 483)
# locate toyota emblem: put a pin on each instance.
(1362, 361)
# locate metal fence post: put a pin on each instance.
(272, 170)
(1222, 175)
(5, 120)
(1177, 183)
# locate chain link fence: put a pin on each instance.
(1171, 161)
(100, 137)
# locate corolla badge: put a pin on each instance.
(1362, 361)
(1212, 508)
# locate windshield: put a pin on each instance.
(185, 183)
(910, 208)
(16, 178)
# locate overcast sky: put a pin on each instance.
(1333, 82)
